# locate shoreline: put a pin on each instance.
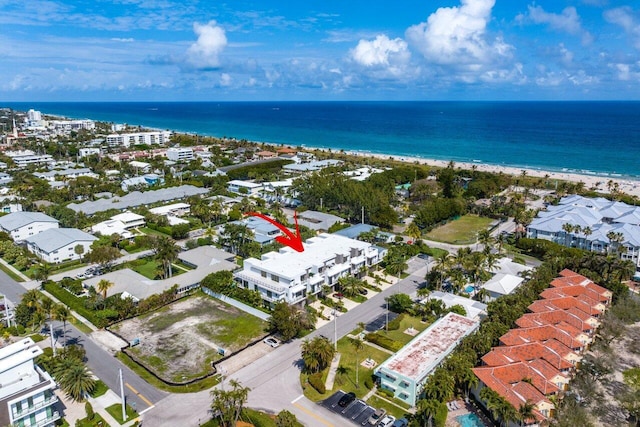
(591, 179)
(627, 185)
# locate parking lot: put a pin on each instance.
(358, 412)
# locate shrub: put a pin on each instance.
(441, 415)
(316, 382)
(394, 325)
(386, 392)
(383, 341)
(368, 382)
(89, 410)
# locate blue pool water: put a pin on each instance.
(469, 289)
(470, 420)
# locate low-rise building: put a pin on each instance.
(57, 245)
(290, 276)
(244, 187)
(130, 220)
(406, 372)
(474, 309)
(146, 180)
(180, 154)
(26, 391)
(66, 174)
(318, 221)
(21, 225)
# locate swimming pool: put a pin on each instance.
(470, 420)
(469, 289)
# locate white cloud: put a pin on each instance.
(380, 51)
(225, 80)
(456, 35)
(205, 52)
(568, 21)
(623, 16)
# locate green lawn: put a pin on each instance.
(407, 322)
(99, 389)
(97, 421)
(150, 268)
(377, 402)
(460, 231)
(115, 411)
(347, 381)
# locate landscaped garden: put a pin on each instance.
(463, 230)
(179, 341)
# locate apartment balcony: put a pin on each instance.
(49, 421)
(33, 408)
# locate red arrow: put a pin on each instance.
(292, 240)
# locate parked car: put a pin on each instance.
(363, 291)
(402, 422)
(377, 416)
(270, 341)
(387, 421)
(346, 399)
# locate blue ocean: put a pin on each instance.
(583, 137)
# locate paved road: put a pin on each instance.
(101, 362)
(274, 380)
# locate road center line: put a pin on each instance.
(147, 401)
(317, 417)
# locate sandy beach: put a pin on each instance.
(597, 182)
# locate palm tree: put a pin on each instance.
(167, 251)
(427, 409)
(350, 286)
(413, 231)
(341, 371)
(103, 286)
(568, 229)
(358, 345)
(485, 238)
(587, 231)
(525, 412)
(482, 294)
(76, 381)
(395, 264)
(48, 309)
(317, 353)
(63, 314)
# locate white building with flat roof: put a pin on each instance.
(406, 372)
(138, 138)
(244, 187)
(290, 276)
(180, 154)
(130, 219)
(26, 391)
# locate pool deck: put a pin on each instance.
(466, 408)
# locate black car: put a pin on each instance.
(363, 291)
(347, 399)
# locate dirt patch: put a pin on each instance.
(179, 341)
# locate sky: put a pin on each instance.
(183, 50)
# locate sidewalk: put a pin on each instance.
(17, 272)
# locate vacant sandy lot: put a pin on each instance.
(179, 342)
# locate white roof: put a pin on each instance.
(56, 238)
(163, 210)
(419, 358)
(247, 184)
(503, 284)
(507, 266)
(474, 309)
(111, 226)
(16, 220)
(127, 217)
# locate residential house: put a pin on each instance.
(406, 372)
(354, 232)
(474, 309)
(263, 232)
(57, 245)
(26, 390)
(146, 180)
(244, 187)
(535, 361)
(20, 225)
(130, 220)
(501, 284)
(291, 276)
(318, 221)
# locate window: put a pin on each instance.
(263, 273)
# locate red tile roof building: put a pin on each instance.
(536, 360)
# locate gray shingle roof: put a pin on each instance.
(56, 238)
(16, 220)
(137, 198)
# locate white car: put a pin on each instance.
(270, 341)
(387, 421)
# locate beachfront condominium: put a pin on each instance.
(291, 276)
(593, 224)
(26, 391)
(138, 138)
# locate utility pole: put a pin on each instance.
(363, 214)
(335, 329)
(6, 310)
(124, 410)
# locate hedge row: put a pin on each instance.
(75, 303)
(394, 325)
(383, 341)
(316, 382)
